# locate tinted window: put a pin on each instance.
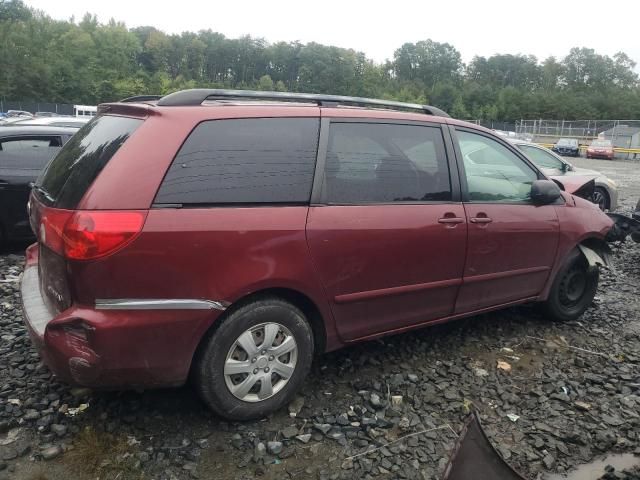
(73, 170)
(28, 153)
(541, 158)
(258, 160)
(18, 144)
(379, 163)
(494, 173)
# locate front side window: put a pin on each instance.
(493, 172)
(541, 158)
(244, 161)
(382, 163)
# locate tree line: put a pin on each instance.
(88, 62)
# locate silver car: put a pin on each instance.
(606, 192)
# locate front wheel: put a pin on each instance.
(601, 198)
(257, 359)
(573, 289)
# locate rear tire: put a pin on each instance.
(241, 372)
(573, 289)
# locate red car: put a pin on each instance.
(229, 237)
(600, 149)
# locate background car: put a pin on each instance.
(19, 113)
(600, 149)
(24, 152)
(606, 191)
(568, 147)
(54, 121)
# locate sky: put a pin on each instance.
(475, 27)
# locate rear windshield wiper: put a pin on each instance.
(42, 192)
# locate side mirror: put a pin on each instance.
(566, 167)
(544, 192)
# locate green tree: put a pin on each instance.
(265, 83)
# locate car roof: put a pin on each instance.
(49, 120)
(13, 130)
(199, 97)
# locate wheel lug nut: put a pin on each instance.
(264, 352)
(271, 357)
(253, 360)
(255, 370)
(266, 369)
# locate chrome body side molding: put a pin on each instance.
(158, 304)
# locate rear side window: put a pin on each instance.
(244, 161)
(73, 170)
(30, 153)
(382, 163)
(28, 144)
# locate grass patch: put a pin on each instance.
(105, 455)
(38, 476)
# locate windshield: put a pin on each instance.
(568, 141)
(541, 157)
(601, 143)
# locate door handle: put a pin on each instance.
(481, 220)
(453, 220)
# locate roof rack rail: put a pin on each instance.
(198, 95)
(141, 98)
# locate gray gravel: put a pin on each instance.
(572, 394)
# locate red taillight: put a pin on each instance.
(89, 234)
(92, 234)
(50, 231)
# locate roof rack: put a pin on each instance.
(198, 95)
(141, 98)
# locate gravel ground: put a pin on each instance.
(567, 394)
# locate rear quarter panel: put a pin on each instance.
(220, 254)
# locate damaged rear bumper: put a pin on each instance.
(112, 348)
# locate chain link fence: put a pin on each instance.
(33, 107)
(622, 133)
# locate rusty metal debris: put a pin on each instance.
(623, 226)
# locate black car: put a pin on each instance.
(24, 152)
(567, 147)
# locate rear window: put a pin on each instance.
(244, 161)
(68, 176)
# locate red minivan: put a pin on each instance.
(231, 236)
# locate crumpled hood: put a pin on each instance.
(572, 183)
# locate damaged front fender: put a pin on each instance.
(599, 256)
